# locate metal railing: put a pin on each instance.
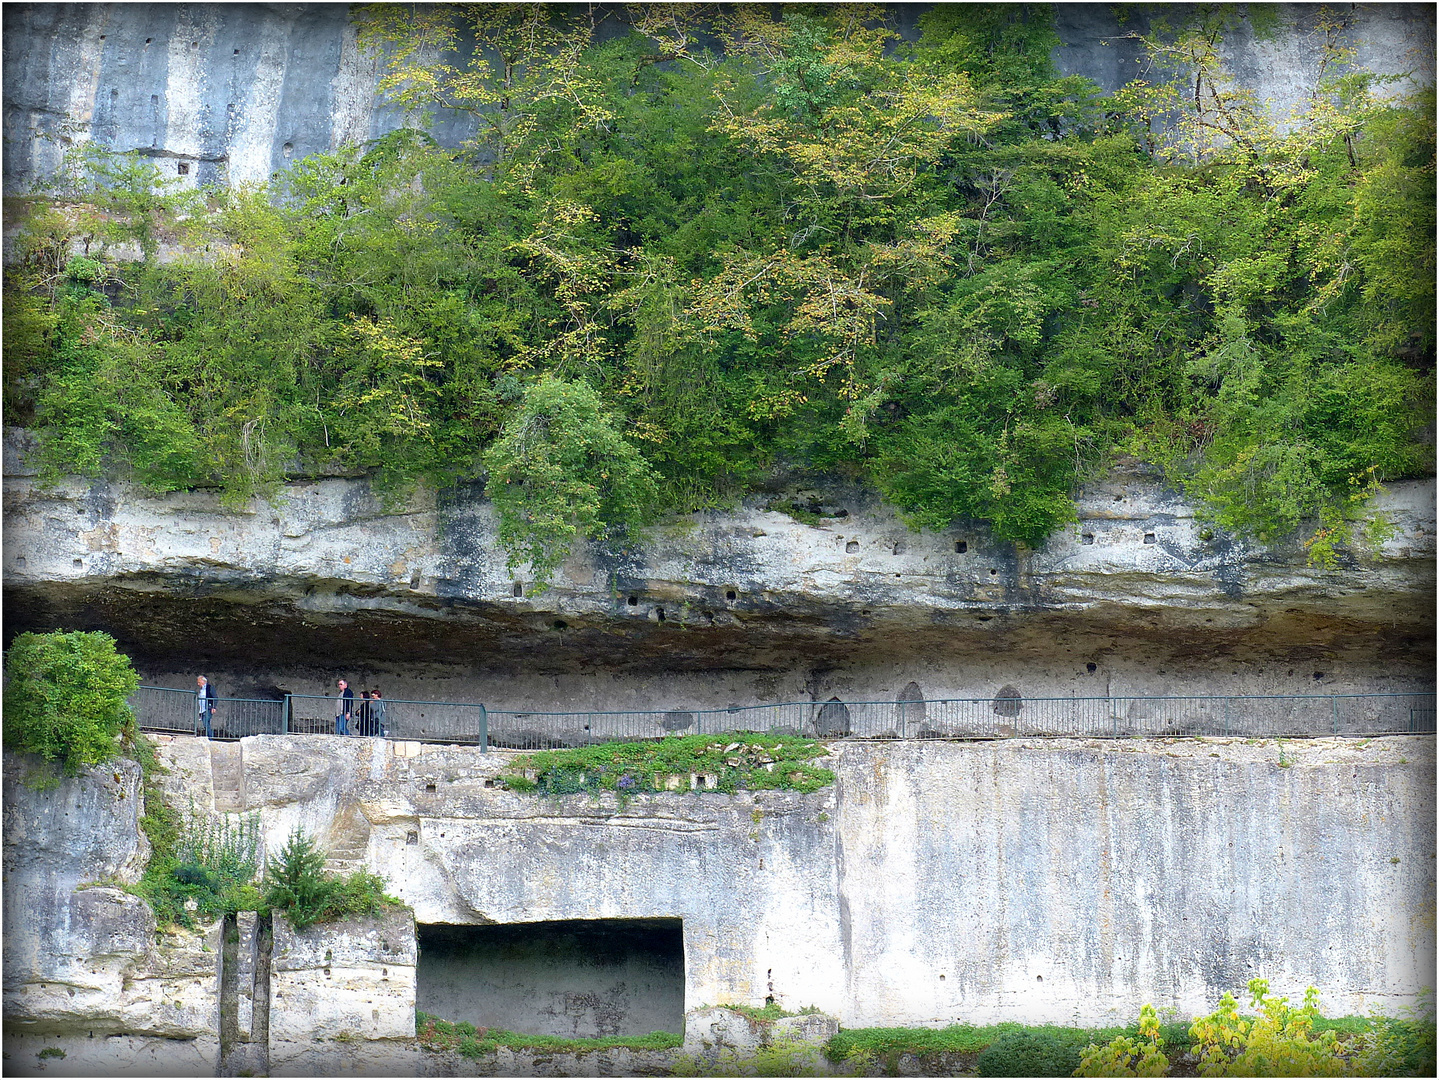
(1252, 716)
(416, 721)
(161, 709)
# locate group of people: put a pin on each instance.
(367, 714)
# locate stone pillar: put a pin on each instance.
(342, 997)
(246, 923)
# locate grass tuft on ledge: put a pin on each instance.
(472, 1042)
(725, 763)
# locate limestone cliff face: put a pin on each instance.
(83, 965)
(1043, 880)
(326, 576)
(229, 93)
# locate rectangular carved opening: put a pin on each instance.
(574, 978)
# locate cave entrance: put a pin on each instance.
(573, 978)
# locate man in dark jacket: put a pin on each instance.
(345, 708)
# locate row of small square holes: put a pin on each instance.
(1088, 538)
(518, 589)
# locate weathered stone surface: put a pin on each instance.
(816, 1029)
(758, 607)
(351, 981)
(708, 1031)
(234, 92)
(1034, 880)
(107, 1055)
(83, 970)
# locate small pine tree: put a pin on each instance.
(296, 882)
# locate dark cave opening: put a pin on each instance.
(578, 978)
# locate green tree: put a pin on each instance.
(561, 470)
(65, 697)
(297, 884)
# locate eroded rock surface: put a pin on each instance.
(324, 576)
(1036, 880)
(84, 971)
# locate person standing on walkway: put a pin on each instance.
(204, 706)
(362, 714)
(377, 714)
(344, 708)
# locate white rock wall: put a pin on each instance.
(344, 983)
(1061, 881)
(84, 971)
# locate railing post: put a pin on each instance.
(1334, 701)
(285, 717)
(484, 730)
(1226, 716)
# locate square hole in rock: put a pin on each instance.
(579, 978)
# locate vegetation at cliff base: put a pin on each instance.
(472, 1042)
(688, 244)
(65, 697)
(726, 763)
(1277, 1040)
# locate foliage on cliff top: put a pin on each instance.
(472, 1042)
(65, 697)
(938, 266)
(736, 761)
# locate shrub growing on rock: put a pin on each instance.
(1029, 1053)
(65, 697)
(297, 884)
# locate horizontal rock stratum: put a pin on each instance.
(324, 575)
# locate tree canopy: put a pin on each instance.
(728, 237)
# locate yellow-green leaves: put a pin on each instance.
(1276, 1042)
(386, 391)
(521, 61)
(1127, 1056)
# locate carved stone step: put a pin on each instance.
(227, 775)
